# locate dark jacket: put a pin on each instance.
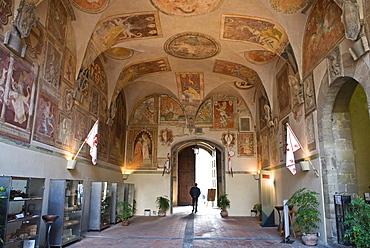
(194, 192)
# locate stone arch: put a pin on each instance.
(210, 146)
(338, 174)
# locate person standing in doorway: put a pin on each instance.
(195, 193)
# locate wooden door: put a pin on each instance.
(186, 175)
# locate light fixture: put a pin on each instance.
(71, 164)
(256, 176)
(305, 165)
(196, 149)
(125, 176)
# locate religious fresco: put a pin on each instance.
(190, 86)
(237, 70)
(224, 109)
(259, 57)
(287, 6)
(35, 42)
(91, 6)
(204, 116)
(309, 94)
(245, 144)
(69, 68)
(146, 112)
(283, 91)
(64, 134)
(46, 120)
(186, 7)
(142, 152)
(118, 132)
(4, 68)
(323, 30)
(192, 45)
(57, 20)
(119, 53)
(257, 31)
(171, 111)
(52, 69)
(126, 27)
(5, 12)
(19, 98)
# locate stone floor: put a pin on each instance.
(206, 228)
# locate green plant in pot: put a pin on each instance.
(125, 211)
(2, 197)
(258, 208)
(223, 202)
(306, 215)
(163, 204)
(357, 221)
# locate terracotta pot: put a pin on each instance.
(224, 213)
(161, 213)
(310, 239)
(125, 223)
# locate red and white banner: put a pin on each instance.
(92, 141)
(292, 145)
(167, 163)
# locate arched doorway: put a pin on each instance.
(183, 168)
(344, 131)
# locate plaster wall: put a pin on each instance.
(147, 188)
(242, 191)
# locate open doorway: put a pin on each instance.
(207, 168)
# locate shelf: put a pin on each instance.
(23, 219)
(70, 223)
(26, 199)
(20, 240)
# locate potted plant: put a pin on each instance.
(2, 197)
(357, 221)
(306, 215)
(163, 204)
(223, 202)
(125, 211)
(258, 208)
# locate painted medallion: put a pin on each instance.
(192, 46)
(91, 6)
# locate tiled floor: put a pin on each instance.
(183, 229)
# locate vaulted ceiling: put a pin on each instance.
(235, 44)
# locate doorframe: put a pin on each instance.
(209, 146)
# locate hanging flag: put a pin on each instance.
(292, 145)
(230, 154)
(166, 167)
(92, 141)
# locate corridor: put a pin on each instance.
(183, 229)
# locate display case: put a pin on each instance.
(20, 211)
(66, 199)
(100, 206)
(129, 193)
(118, 195)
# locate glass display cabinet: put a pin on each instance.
(118, 195)
(66, 199)
(100, 206)
(20, 211)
